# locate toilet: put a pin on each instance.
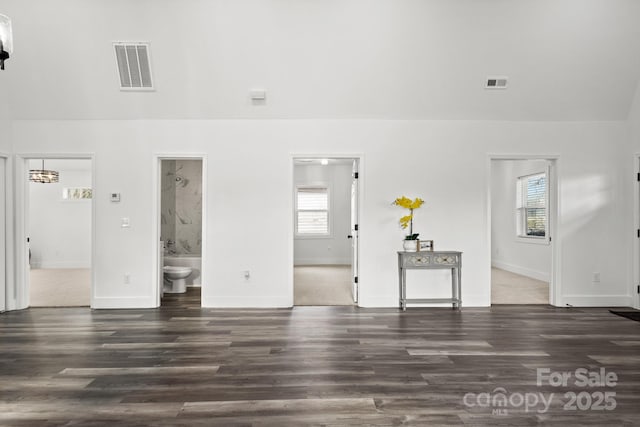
(175, 276)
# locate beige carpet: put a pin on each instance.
(60, 287)
(511, 288)
(322, 285)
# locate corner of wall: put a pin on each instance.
(634, 118)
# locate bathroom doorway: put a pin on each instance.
(180, 231)
(325, 231)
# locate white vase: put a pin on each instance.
(411, 245)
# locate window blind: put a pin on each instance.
(312, 210)
(532, 205)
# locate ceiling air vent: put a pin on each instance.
(133, 66)
(496, 82)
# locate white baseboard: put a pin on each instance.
(61, 264)
(597, 300)
(322, 261)
(523, 271)
(122, 302)
(247, 302)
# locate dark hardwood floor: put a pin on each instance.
(181, 365)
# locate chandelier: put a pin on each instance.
(43, 176)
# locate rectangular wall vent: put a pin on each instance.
(133, 66)
(496, 82)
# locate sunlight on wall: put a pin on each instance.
(582, 199)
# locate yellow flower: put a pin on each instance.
(405, 220)
(407, 203)
(403, 202)
(416, 203)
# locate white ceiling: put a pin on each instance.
(410, 59)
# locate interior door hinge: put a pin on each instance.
(638, 232)
(355, 175)
(638, 177)
(355, 227)
(638, 290)
(355, 279)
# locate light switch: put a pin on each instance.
(125, 223)
(258, 94)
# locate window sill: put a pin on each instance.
(312, 236)
(533, 240)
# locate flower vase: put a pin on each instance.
(411, 245)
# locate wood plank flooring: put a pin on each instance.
(181, 365)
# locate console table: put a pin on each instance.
(427, 260)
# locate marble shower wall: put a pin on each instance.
(181, 205)
(168, 201)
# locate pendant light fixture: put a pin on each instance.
(43, 176)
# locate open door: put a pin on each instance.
(354, 231)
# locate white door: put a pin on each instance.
(354, 230)
(3, 236)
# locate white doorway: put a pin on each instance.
(326, 212)
(635, 291)
(180, 223)
(59, 224)
(62, 223)
(523, 229)
(3, 233)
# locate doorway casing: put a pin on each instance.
(4, 231)
(555, 294)
(156, 209)
(359, 158)
(21, 297)
(635, 284)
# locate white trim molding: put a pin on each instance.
(554, 209)
(21, 209)
(597, 300)
(156, 226)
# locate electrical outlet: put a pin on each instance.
(127, 278)
(596, 277)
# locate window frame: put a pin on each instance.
(328, 234)
(521, 209)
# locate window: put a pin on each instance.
(78, 193)
(531, 206)
(312, 211)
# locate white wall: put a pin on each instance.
(6, 234)
(5, 116)
(508, 252)
(60, 230)
(250, 165)
(335, 249)
(633, 190)
(634, 118)
(410, 59)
